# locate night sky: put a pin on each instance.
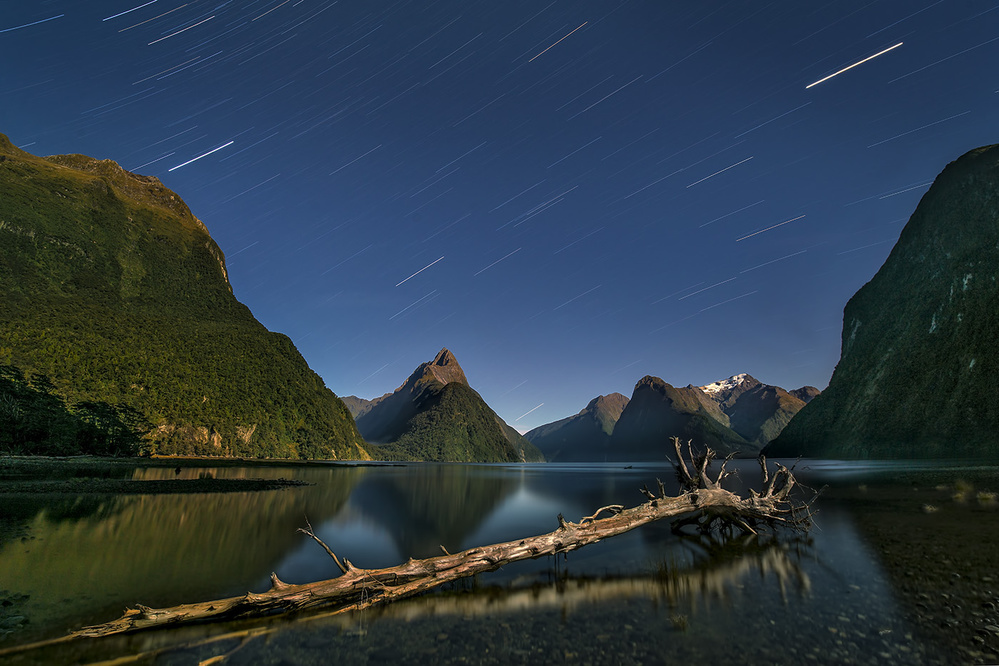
(569, 195)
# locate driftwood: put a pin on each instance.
(702, 502)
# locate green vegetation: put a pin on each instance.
(35, 420)
(454, 424)
(114, 291)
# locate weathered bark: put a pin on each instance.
(703, 501)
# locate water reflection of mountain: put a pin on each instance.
(85, 558)
(424, 507)
(720, 570)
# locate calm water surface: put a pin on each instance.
(648, 596)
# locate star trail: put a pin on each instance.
(688, 190)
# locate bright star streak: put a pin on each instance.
(526, 413)
(555, 44)
(214, 150)
(18, 27)
(172, 34)
(420, 271)
(128, 11)
(853, 65)
(718, 172)
(769, 228)
(496, 262)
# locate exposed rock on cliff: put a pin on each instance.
(916, 376)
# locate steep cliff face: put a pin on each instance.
(435, 415)
(916, 376)
(116, 293)
(585, 436)
(658, 411)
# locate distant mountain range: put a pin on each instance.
(916, 376)
(435, 415)
(117, 318)
(737, 415)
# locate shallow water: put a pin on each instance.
(648, 596)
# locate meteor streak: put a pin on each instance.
(526, 413)
(854, 65)
(214, 150)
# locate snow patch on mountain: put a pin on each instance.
(715, 388)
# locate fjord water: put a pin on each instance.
(643, 597)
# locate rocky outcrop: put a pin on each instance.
(919, 357)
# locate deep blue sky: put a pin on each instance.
(598, 190)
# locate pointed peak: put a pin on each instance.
(445, 368)
(445, 357)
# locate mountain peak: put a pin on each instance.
(723, 385)
(445, 357)
(445, 368)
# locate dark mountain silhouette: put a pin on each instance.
(658, 411)
(916, 376)
(584, 436)
(739, 414)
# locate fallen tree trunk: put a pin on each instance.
(703, 502)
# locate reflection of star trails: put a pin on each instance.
(853, 65)
(526, 413)
(420, 271)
